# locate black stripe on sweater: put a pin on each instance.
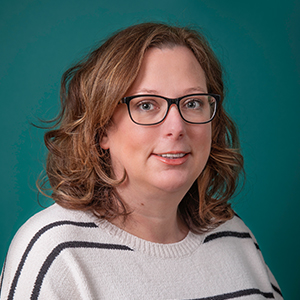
(2, 275)
(238, 294)
(57, 250)
(237, 215)
(256, 245)
(31, 244)
(276, 289)
(221, 234)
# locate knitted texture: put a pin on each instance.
(66, 254)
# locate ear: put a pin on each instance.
(104, 142)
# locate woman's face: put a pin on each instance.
(167, 157)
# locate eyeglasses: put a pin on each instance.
(153, 109)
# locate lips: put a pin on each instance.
(172, 158)
(172, 155)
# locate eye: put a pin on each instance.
(193, 103)
(145, 106)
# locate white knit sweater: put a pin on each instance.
(65, 254)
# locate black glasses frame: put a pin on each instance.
(170, 101)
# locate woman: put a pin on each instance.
(142, 166)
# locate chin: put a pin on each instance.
(175, 186)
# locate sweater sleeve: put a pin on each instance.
(277, 292)
(32, 251)
(275, 286)
(62, 254)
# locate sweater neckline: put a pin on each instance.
(174, 250)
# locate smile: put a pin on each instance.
(172, 155)
(173, 159)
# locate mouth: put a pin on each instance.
(173, 158)
(172, 155)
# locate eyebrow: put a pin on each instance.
(197, 89)
(146, 91)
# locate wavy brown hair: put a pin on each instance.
(79, 171)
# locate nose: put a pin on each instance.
(173, 125)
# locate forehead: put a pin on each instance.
(169, 70)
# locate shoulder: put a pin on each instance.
(233, 232)
(49, 227)
(40, 237)
(234, 227)
(234, 243)
(52, 223)
(56, 213)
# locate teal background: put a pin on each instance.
(258, 43)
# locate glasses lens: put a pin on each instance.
(148, 110)
(198, 108)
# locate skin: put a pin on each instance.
(155, 185)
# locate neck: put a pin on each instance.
(153, 229)
(154, 219)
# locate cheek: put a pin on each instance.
(130, 146)
(204, 134)
(203, 140)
